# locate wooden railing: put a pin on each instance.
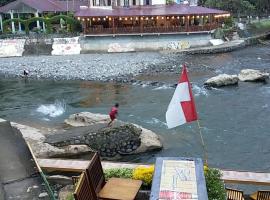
(140, 30)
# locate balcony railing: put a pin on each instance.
(140, 30)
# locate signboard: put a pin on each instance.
(66, 46)
(178, 179)
(11, 47)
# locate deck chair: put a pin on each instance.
(115, 188)
(233, 194)
(261, 195)
(83, 190)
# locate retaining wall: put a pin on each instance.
(131, 43)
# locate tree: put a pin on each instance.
(3, 2)
(236, 7)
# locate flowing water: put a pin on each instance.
(235, 120)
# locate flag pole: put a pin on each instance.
(203, 144)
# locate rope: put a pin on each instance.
(47, 185)
(203, 144)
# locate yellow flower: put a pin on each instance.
(205, 168)
(144, 173)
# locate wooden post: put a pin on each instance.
(187, 23)
(141, 25)
(113, 26)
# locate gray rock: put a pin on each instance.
(59, 179)
(43, 194)
(66, 192)
(148, 140)
(253, 75)
(222, 80)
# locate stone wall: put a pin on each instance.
(124, 43)
(109, 142)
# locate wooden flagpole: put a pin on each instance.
(203, 144)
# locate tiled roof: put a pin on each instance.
(153, 10)
(45, 5)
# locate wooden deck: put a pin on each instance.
(229, 176)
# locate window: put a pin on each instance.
(126, 2)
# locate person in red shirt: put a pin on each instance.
(113, 113)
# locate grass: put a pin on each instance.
(70, 197)
(259, 27)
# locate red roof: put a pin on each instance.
(45, 5)
(152, 10)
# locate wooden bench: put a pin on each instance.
(233, 194)
(83, 190)
(261, 195)
(113, 189)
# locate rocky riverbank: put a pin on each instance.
(119, 67)
(103, 67)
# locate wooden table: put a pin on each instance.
(178, 177)
(120, 189)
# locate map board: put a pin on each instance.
(178, 178)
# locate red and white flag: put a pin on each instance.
(182, 106)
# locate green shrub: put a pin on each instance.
(118, 173)
(214, 184)
(70, 196)
(229, 22)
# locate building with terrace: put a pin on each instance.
(105, 17)
(172, 18)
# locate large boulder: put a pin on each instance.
(222, 80)
(111, 142)
(86, 119)
(148, 139)
(253, 75)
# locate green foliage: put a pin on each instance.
(74, 24)
(229, 22)
(221, 33)
(70, 197)
(236, 7)
(168, 2)
(259, 27)
(214, 184)
(118, 173)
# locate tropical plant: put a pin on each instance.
(214, 184)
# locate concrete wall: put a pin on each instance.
(143, 43)
(158, 2)
(11, 47)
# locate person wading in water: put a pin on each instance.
(113, 113)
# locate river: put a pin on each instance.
(235, 120)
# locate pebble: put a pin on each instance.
(43, 194)
(80, 67)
